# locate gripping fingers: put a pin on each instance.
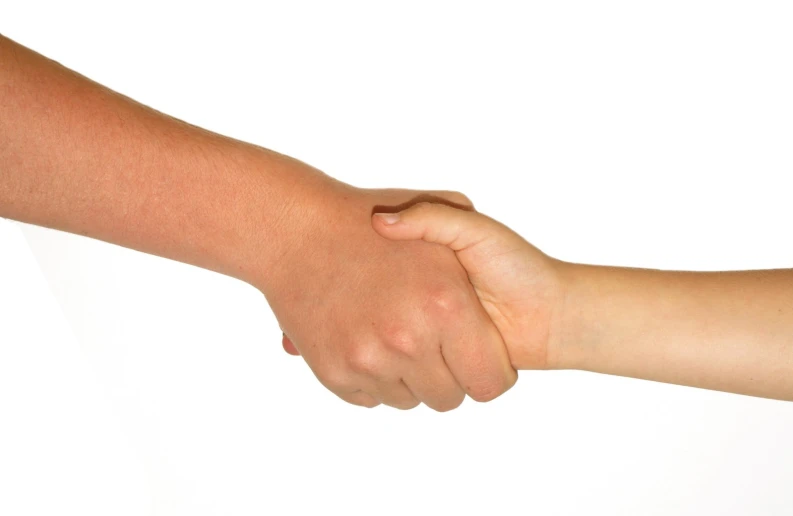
(434, 385)
(394, 394)
(478, 358)
(359, 398)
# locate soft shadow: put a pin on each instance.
(382, 208)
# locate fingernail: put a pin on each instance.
(388, 218)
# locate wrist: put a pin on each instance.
(287, 202)
(573, 336)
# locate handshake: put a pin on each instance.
(425, 304)
(402, 298)
(391, 296)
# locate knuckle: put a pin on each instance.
(336, 380)
(363, 359)
(403, 341)
(447, 300)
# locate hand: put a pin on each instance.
(518, 285)
(380, 321)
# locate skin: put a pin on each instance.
(377, 321)
(729, 331)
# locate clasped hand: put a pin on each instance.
(382, 317)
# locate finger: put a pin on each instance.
(438, 389)
(289, 346)
(394, 394)
(436, 223)
(476, 353)
(359, 398)
(434, 385)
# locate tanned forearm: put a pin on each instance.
(78, 157)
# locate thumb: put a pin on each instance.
(436, 223)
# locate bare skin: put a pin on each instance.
(729, 331)
(377, 321)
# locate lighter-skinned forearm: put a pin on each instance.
(78, 157)
(730, 331)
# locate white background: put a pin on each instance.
(652, 134)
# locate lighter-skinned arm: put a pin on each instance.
(730, 331)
